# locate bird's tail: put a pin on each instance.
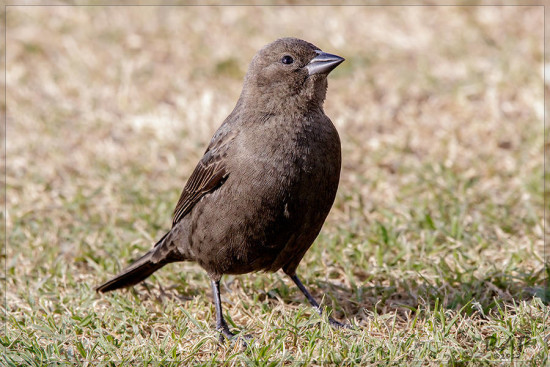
(140, 269)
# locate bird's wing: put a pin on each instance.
(209, 174)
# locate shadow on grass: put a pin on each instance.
(406, 295)
(389, 294)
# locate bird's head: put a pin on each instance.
(288, 74)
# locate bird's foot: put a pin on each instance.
(338, 325)
(225, 333)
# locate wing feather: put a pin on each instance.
(209, 174)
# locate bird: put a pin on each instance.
(260, 194)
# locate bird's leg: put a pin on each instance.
(221, 325)
(314, 303)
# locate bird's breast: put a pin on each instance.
(290, 158)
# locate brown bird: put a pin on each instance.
(260, 194)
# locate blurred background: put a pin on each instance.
(440, 112)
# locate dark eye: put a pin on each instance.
(287, 59)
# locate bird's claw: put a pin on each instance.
(339, 325)
(226, 334)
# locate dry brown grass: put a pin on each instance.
(434, 246)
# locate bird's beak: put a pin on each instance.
(323, 63)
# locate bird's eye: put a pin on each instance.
(287, 59)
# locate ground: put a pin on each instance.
(433, 250)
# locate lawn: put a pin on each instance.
(433, 250)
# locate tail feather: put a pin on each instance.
(140, 269)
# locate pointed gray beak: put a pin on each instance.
(323, 63)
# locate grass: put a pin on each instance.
(434, 248)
